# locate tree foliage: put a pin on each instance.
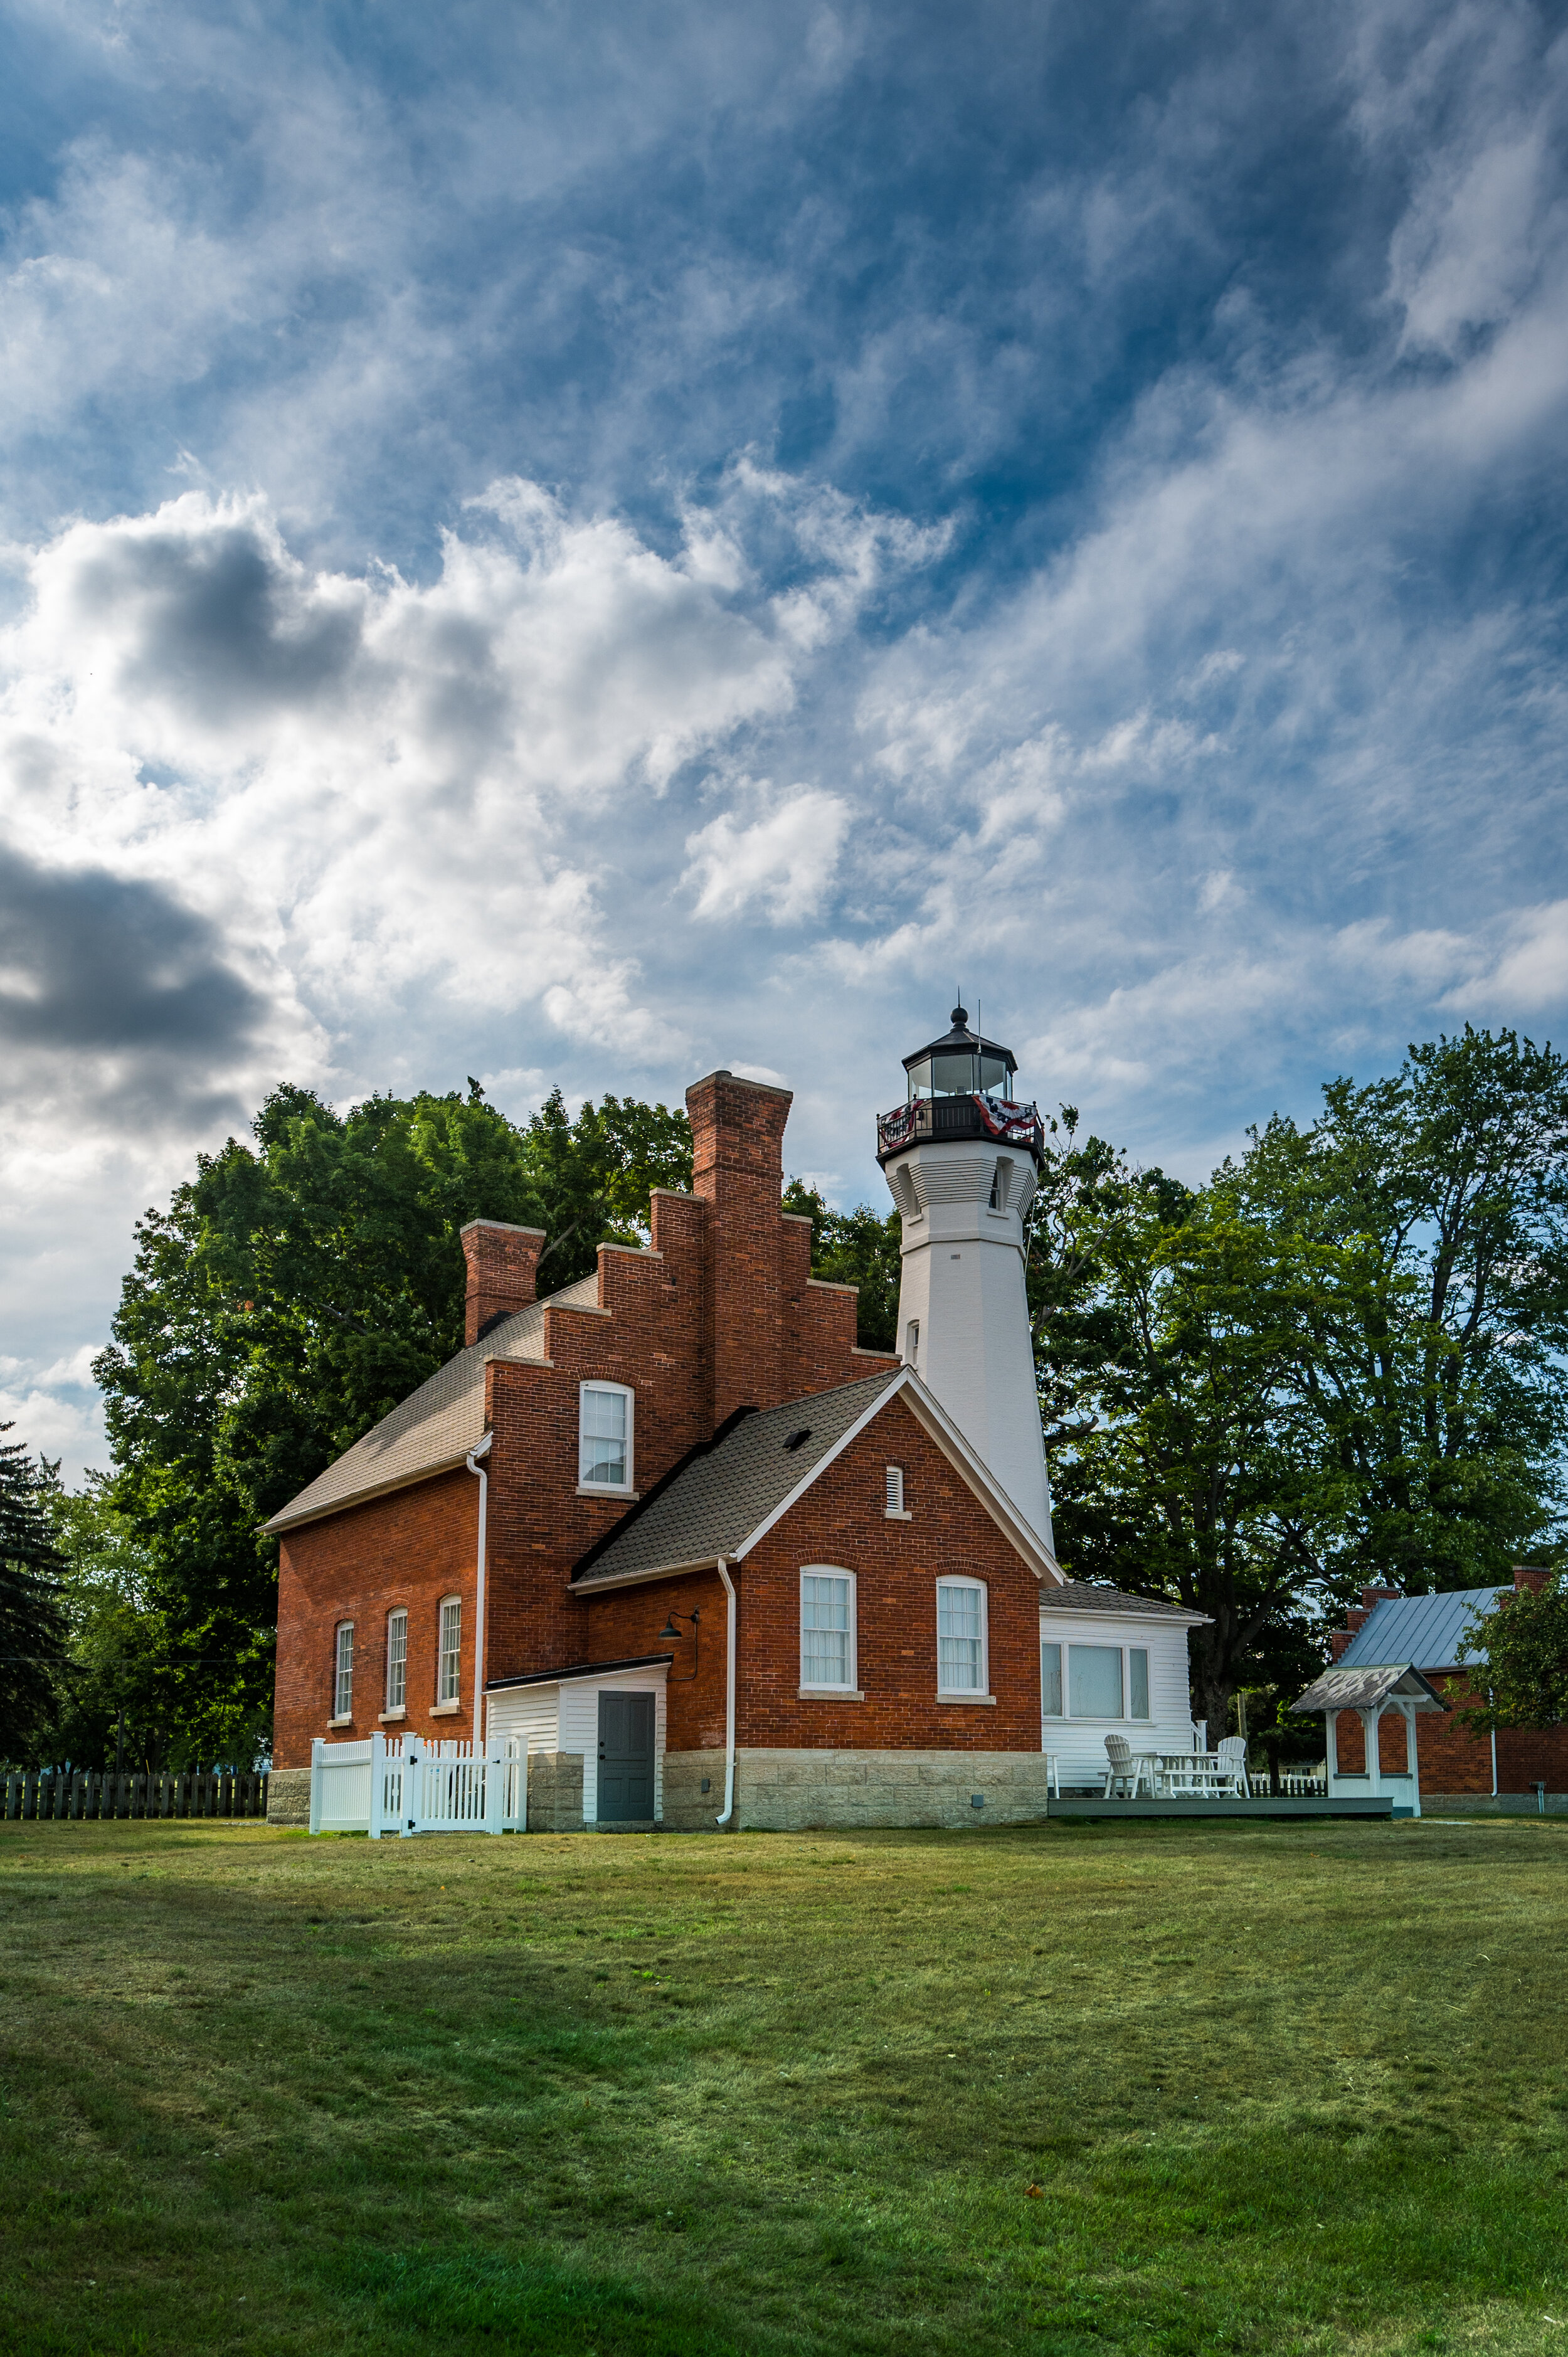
(1524, 1659)
(1443, 1405)
(33, 1627)
(860, 1248)
(292, 1293)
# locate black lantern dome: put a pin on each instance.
(960, 1086)
(960, 1064)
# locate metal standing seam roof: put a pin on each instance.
(712, 1505)
(437, 1425)
(1084, 1596)
(1428, 1630)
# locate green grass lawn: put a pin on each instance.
(1141, 2087)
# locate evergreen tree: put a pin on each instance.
(33, 1629)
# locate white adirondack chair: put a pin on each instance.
(1124, 1770)
(1232, 1755)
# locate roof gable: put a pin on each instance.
(730, 1492)
(1343, 1689)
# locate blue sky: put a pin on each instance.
(583, 545)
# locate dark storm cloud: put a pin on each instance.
(97, 964)
(216, 621)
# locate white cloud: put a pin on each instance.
(784, 860)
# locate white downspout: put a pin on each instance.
(729, 1697)
(1490, 1698)
(475, 1467)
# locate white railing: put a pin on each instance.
(1294, 1787)
(406, 1785)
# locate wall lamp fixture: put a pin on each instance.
(671, 1635)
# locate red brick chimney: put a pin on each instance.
(737, 1168)
(1525, 1576)
(502, 1260)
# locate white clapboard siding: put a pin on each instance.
(566, 1718)
(1079, 1744)
(527, 1714)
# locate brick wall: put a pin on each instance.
(502, 1260)
(1454, 1760)
(627, 1622)
(408, 1549)
(720, 1311)
(841, 1521)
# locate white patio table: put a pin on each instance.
(1188, 1774)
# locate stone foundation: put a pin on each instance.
(288, 1796)
(799, 1792)
(555, 1791)
(1491, 1804)
(687, 1808)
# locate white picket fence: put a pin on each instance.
(404, 1784)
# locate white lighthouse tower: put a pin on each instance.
(962, 1159)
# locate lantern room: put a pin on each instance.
(960, 1064)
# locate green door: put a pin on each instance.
(626, 1758)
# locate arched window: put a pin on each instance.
(449, 1670)
(961, 1666)
(604, 1436)
(828, 1663)
(397, 1660)
(343, 1672)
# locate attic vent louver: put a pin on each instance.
(796, 1439)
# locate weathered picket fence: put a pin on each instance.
(58, 1793)
(404, 1784)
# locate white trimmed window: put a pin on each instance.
(343, 1672)
(912, 1343)
(1103, 1682)
(448, 1679)
(397, 1660)
(1050, 1681)
(1094, 1681)
(604, 1436)
(894, 1489)
(961, 1638)
(827, 1629)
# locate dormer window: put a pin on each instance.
(604, 1436)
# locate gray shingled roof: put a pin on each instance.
(715, 1504)
(1343, 1689)
(1426, 1630)
(1083, 1596)
(436, 1425)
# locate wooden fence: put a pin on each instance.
(58, 1793)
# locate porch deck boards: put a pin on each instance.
(1379, 1805)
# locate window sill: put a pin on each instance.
(897, 1514)
(401, 1712)
(346, 1720)
(982, 1702)
(446, 1709)
(829, 1694)
(603, 1489)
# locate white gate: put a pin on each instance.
(407, 1785)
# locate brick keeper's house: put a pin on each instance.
(709, 1561)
